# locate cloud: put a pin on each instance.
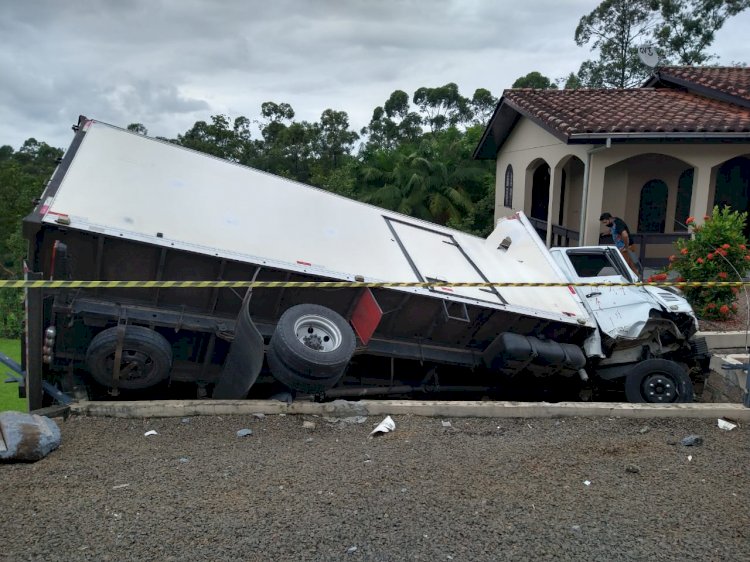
(168, 63)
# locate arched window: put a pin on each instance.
(652, 211)
(508, 199)
(684, 194)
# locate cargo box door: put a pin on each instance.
(437, 256)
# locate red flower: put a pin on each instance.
(711, 306)
(700, 260)
(724, 309)
(723, 274)
(734, 305)
(747, 257)
(680, 279)
(672, 258)
(684, 251)
(710, 256)
(735, 290)
(726, 246)
(721, 252)
(743, 247)
(690, 220)
(659, 277)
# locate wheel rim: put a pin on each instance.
(659, 387)
(134, 365)
(317, 333)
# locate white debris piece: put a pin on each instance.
(446, 423)
(726, 424)
(386, 426)
(150, 432)
(587, 482)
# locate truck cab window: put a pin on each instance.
(593, 265)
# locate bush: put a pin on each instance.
(717, 251)
(11, 313)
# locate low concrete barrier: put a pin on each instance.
(342, 408)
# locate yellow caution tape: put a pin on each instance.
(338, 284)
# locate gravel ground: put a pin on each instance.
(484, 489)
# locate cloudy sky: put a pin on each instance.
(169, 63)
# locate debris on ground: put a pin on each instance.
(692, 441)
(446, 423)
(645, 429)
(120, 486)
(386, 426)
(185, 420)
(150, 432)
(244, 432)
(632, 469)
(259, 416)
(308, 425)
(726, 424)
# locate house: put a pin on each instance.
(652, 155)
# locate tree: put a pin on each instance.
(138, 128)
(482, 105)
(616, 28)
(334, 138)
(392, 124)
(681, 30)
(219, 139)
(689, 27)
(534, 80)
(442, 107)
(572, 82)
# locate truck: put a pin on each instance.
(415, 307)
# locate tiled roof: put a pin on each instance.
(734, 81)
(637, 110)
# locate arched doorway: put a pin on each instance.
(652, 209)
(684, 196)
(540, 192)
(733, 186)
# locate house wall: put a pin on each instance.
(526, 143)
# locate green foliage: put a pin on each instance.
(443, 106)
(535, 80)
(716, 252)
(681, 31)
(689, 27)
(23, 175)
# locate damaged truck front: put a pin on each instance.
(124, 207)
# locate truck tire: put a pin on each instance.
(313, 341)
(658, 381)
(146, 358)
(296, 381)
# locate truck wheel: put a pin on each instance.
(313, 341)
(658, 381)
(292, 379)
(146, 358)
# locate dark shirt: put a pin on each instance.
(617, 228)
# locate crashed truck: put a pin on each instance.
(122, 206)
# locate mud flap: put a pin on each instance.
(245, 358)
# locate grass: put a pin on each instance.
(9, 399)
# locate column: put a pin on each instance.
(553, 208)
(701, 191)
(592, 206)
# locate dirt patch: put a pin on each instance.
(488, 489)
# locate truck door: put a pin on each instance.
(437, 256)
(619, 311)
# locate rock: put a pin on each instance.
(27, 437)
(308, 425)
(244, 432)
(259, 416)
(692, 441)
(351, 550)
(644, 429)
(632, 469)
(185, 420)
(347, 421)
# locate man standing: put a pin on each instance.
(621, 237)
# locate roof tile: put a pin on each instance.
(628, 110)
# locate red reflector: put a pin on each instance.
(366, 316)
(571, 289)
(303, 262)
